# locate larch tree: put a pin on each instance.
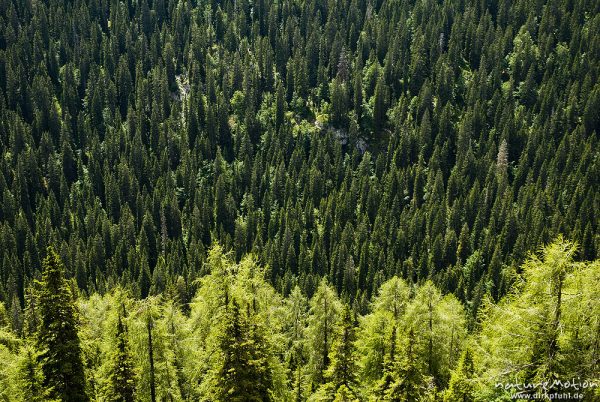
(528, 334)
(375, 330)
(325, 311)
(439, 324)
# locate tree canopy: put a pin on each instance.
(297, 199)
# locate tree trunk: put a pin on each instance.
(151, 357)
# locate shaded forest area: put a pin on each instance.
(134, 137)
(352, 140)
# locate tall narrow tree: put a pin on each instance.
(122, 377)
(31, 377)
(57, 335)
(244, 374)
(341, 374)
(461, 387)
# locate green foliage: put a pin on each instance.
(244, 341)
(544, 330)
(479, 124)
(31, 377)
(122, 378)
(325, 311)
(341, 376)
(461, 386)
(244, 374)
(407, 381)
(9, 375)
(383, 155)
(411, 340)
(439, 331)
(377, 327)
(57, 336)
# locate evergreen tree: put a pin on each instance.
(409, 383)
(387, 379)
(57, 335)
(325, 309)
(31, 382)
(461, 387)
(121, 384)
(244, 374)
(341, 374)
(380, 101)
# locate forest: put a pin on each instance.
(292, 200)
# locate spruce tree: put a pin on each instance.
(342, 383)
(31, 377)
(57, 335)
(245, 374)
(387, 379)
(342, 371)
(461, 387)
(121, 386)
(409, 384)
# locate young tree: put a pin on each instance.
(409, 384)
(31, 381)
(295, 335)
(152, 371)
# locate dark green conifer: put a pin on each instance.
(461, 387)
(122, 377)
(409, 383)
(342, 369)
(245, 374)
(57, 335)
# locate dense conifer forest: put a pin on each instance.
(292, 200)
